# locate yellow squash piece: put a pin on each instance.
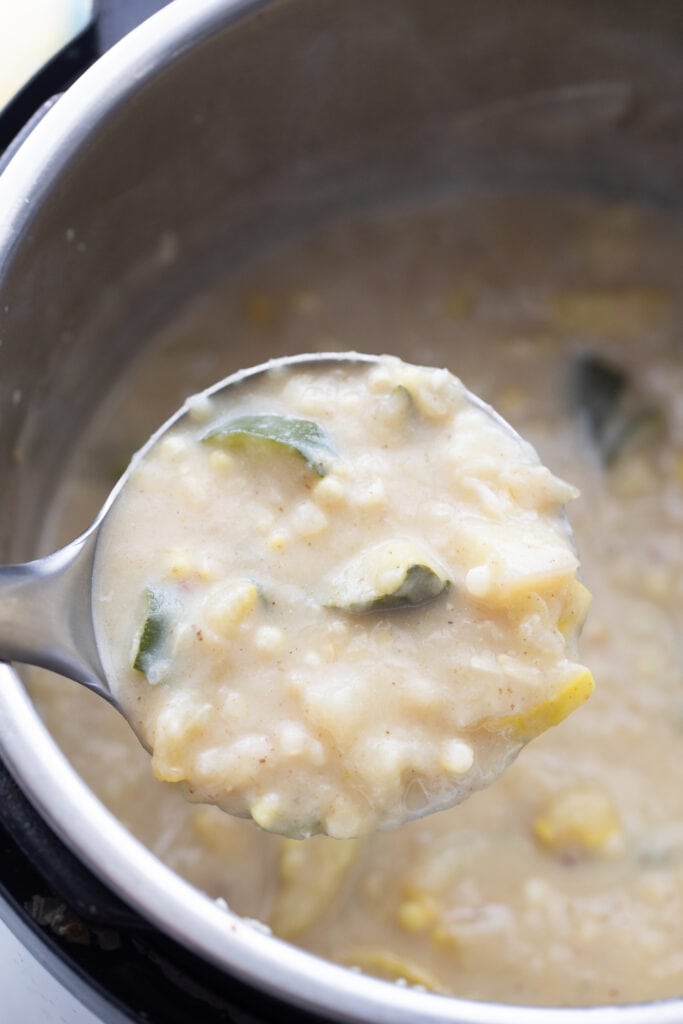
(310, 875)
(581, 818)
(387, 965)
(576, 610)
(550, 712)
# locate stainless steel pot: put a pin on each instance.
(215, 128)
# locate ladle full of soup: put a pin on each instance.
(332, 593)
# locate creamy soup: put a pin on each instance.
(336, 597)
(563, 882)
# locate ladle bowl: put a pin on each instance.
(46, 614)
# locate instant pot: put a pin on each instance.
(209, 132)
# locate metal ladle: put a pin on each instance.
(46, 613)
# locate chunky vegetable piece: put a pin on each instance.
(310, 876)
(580, 820)
(153, 643)
(303, 437)
(398, 574)
(415, 616)
(549, 712)
(615, 415)
(385, 964)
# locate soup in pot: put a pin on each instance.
(563, 882)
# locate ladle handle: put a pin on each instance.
(46, 615)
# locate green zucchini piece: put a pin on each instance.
(303, 437)
(597, 390)
(420, 584)
(156, 631)
(614, 414)
(393, 575)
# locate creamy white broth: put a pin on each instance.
(336, 624)
(563, 883)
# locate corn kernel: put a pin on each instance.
(583, 817)
(416, 915)
(226, 607)
(207, 570)
(269, 639)
(166, 771)
(180, 564)
(329, 491)
(314, 401)
(293, 739)
(343, 820)
(173, 446)
(380, 380)
(432, 404)
(266, 810)
(174, 731)
(277, 541)
(457, 757)
(221, 462)
(308, 521)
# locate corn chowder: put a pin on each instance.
(563, 882)
(337, 597)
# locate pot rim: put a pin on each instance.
(61, 796)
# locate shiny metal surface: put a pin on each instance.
(46, 613)
(212, 130)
